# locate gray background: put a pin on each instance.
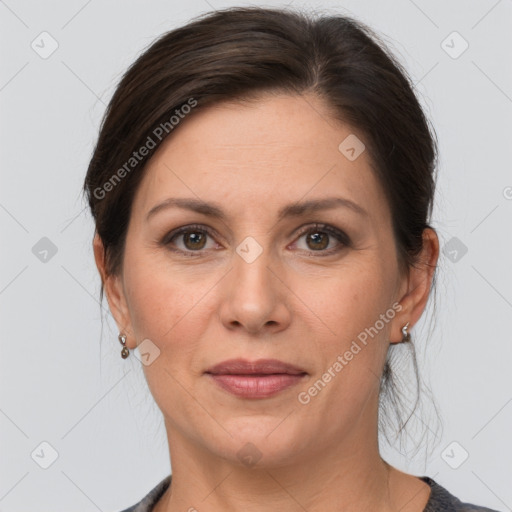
(65, 384)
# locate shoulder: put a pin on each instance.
(441, 500)
(147, 502)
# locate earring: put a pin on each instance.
(406, 335)
(125, 352)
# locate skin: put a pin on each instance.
(291, 304)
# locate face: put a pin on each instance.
(259, 275)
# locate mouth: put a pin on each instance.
(255, 379)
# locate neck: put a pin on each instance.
(349, 477)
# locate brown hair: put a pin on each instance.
(238, 53)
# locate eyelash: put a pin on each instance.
(340, 236)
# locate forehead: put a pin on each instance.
(269, 152)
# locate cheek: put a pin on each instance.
(167, 310)
(354, 318)
(347, 302)
(163, 307)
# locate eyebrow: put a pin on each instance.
(292, 210)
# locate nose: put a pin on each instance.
(255, 298)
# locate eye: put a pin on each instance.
(193, 237)
(319, 236)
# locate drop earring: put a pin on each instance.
(125, 352)
(406, 336)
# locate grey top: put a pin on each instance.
(440, 499)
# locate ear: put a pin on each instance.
(418, 284)
(114, 292)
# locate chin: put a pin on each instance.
(261, 442)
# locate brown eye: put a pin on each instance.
(188, 240)
(194, 240)
(318, 240)
(320, 236)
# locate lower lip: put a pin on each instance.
(256, 386)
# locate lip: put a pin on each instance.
(261, 367)
(255, 379)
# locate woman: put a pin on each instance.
(262, 188)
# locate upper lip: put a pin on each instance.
(261, 366)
